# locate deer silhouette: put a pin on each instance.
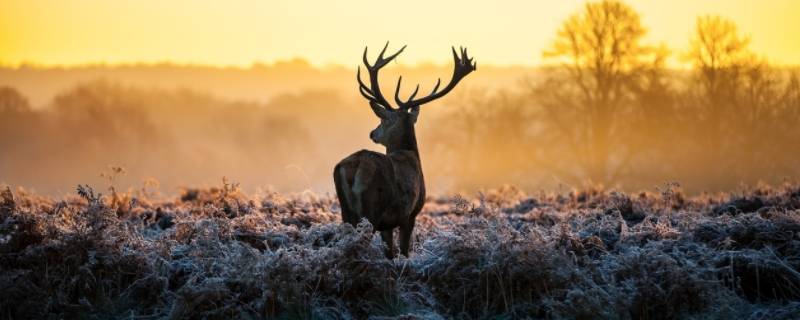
(389, 189)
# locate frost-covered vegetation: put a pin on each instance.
(219, 253)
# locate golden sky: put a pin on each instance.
(239, 32)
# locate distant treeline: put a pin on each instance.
(606, 110)
(178, 137)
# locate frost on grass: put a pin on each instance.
(218, 253)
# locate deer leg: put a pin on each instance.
(388, 237)
(405, 237)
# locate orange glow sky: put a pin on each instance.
(239, 32)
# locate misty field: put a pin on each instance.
(219, 253)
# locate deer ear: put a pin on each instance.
(379, 111)
(414, 113)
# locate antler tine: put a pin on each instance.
(364, 58)
(380, 56)
(381, 61)
(414, 94)
(466, 60)
(438, 82)
(361, 84)
(362, 88)
(390, 58)
(397, 92)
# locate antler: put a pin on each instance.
(373, 93)
(463, 66)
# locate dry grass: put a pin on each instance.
(218, 253)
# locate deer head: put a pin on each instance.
(396, 122)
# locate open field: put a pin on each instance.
(219, 253)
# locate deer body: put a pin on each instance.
(389, 189)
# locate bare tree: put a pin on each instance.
(12, 102)
(739, 104)
(721, 59)
(602, 65)
(719, 55)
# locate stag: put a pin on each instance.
(389, 189)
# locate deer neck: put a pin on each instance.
(408, 142)
(407, 170)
